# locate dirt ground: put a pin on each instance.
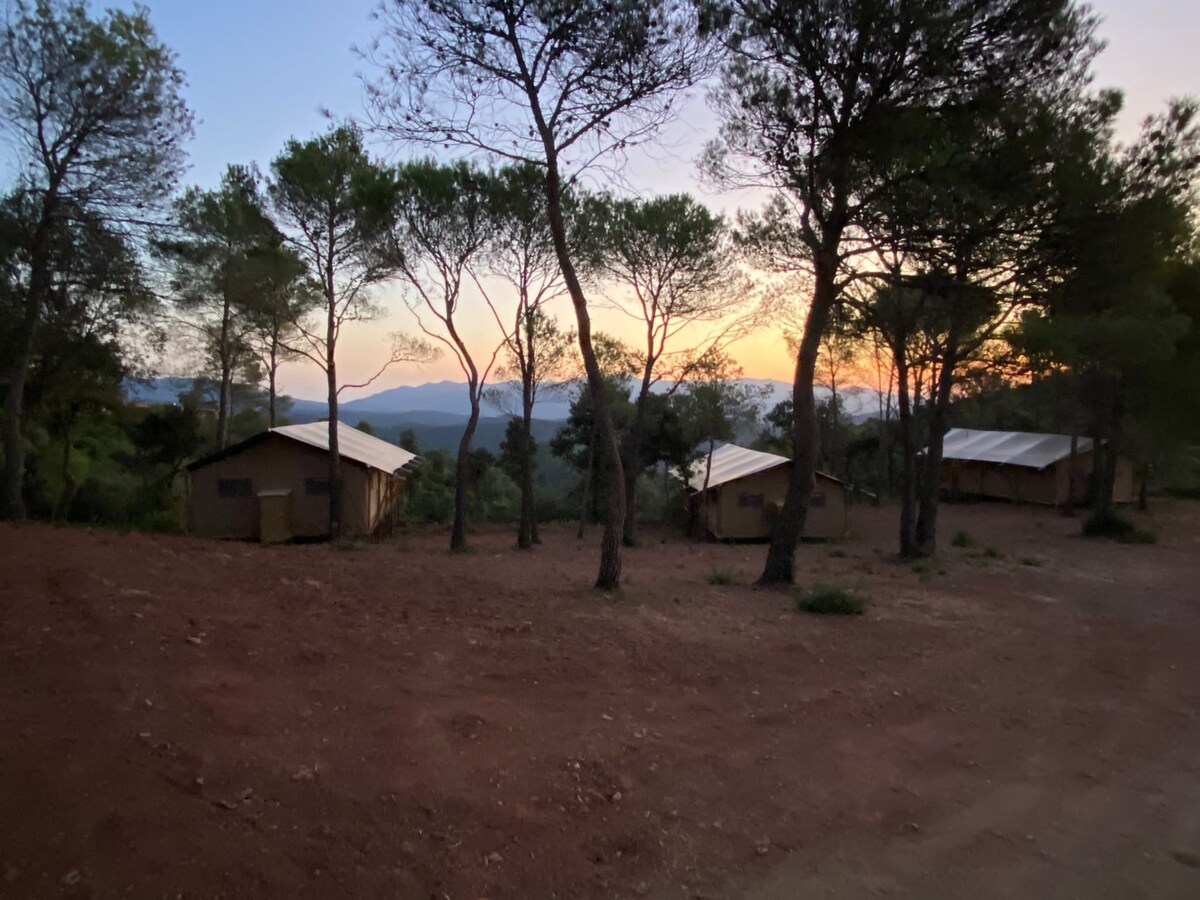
(183, 718)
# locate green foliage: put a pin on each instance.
(962, 539)
(1112, 525)
(723, 578)
(827, 599)
(925, 568)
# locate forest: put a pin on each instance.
(951, 222)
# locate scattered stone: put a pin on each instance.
(642, 888)
(305, 773)
(493, 859)
(194, 640)
(72, 878)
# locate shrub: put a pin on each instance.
(721, 577)
(1116, 527)
(962, 539)
(828, 599)
(1030, 561)
(838, 554)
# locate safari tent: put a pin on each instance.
(745, 494)
(1025, 467)
(275, 485)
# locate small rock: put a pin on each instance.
(72, 877)
(616, 796)
(493, 859)
(194, 640)
(1185, 857)
(642, 888)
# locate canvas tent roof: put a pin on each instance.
(731, 462)
(352, 444)
(1011, 448)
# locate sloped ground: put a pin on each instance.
(183, 718)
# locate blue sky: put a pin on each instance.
(261, 71)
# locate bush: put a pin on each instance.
(722, 578)
(962, 539)
(838, 554)
(1117, 528)
(827, 599)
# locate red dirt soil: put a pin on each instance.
(185, 718)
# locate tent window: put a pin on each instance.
(817, 500)
(752, 501)
(234, 487)
(316, 487)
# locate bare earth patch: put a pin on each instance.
(198, 719)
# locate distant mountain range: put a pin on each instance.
(438, 410)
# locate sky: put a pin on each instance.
(261, 71)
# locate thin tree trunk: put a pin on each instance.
(225, 389)
(1106, 482)
(462, 477)
(1069, 506)
(526, 531)
(908, 453)
(14, 441)
(781, 556)
(335, 458)
(707, 477)
(68, 485)
(930, 484)
(272, 374)
(631, 462)
(587, 485)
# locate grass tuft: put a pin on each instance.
(926, 568)
(838, 554)
(962, 539)
(828, 599)
(1030, 561)
(721, 577)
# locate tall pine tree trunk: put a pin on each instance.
(609, 575)
(781, 555)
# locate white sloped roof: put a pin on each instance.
(730, 463)
(352, 444)
(1011, 448)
